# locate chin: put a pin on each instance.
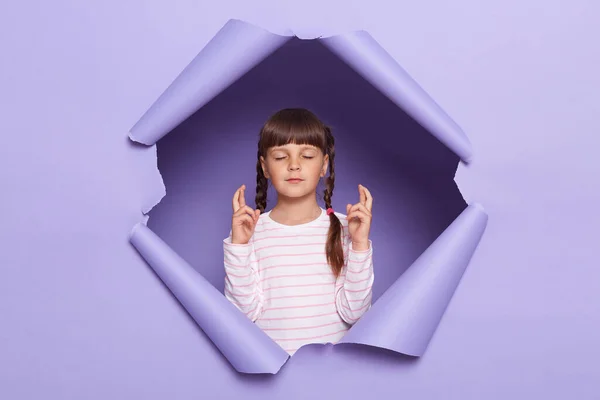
(295, 192)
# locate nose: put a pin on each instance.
(294, 164)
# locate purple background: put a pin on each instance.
(83, 316)
(206, 158)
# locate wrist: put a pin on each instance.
(235, 240)
(360, 246)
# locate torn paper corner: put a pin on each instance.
(479, 207)
(368, 58)
(137, 227)
(406, 316)
(244, 344)
(133, 138)
(235, 49)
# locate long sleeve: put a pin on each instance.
(241, 278)
(354, 284)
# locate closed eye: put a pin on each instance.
(281, 158)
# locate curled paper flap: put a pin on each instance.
(240, 46)
(363, 54)
(243, 343)
(234, 50)
(406, 316)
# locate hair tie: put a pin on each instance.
(329, 210)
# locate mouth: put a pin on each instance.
(295, 180)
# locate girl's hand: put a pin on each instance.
(244, 218)
(359, 219)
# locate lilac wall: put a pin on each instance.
(82, 315)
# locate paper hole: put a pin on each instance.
(420, 220)
(204, 159)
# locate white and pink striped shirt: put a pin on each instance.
(281, 280)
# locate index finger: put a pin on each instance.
(362, 194)
(369, 201)
(235, 203)
(243, 196)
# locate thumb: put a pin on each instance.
(348, 208)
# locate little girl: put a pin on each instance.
(302, 273)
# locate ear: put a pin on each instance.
(325, 165)
(264, 167)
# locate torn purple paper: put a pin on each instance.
(207, 75)
(213, 70)
(405, 318)
(243, 343)
(363, 54)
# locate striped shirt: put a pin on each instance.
(281, 280)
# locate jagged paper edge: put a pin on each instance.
(332, 42)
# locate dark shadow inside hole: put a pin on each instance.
(408, 171)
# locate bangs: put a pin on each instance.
(293, 126)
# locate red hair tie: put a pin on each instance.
(329, 210)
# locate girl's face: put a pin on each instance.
(294, 161)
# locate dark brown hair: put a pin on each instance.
(300, 126)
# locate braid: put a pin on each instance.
(333, 248)
(262, 185)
